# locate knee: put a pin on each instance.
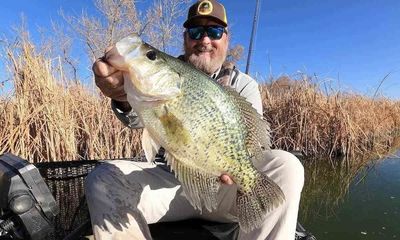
(293, 172)
(287, 171)
(95, 183)
(293, 166)
(114, 178)
(102, 179)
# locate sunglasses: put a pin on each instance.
(213, 32)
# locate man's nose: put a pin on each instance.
(205, 39)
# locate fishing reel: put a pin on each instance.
(27, 206)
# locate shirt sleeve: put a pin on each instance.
(247, 87)
(129, 119)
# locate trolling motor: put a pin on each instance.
(27, 206)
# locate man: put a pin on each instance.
(124, 196)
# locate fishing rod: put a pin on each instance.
(253, 33)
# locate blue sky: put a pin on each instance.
(348, 43)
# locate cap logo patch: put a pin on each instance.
(205, 8)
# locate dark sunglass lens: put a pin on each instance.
(215, 32)
(196, 33)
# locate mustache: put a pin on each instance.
(204, 48)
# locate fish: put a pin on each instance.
(206, 129)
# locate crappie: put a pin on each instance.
(206, 129)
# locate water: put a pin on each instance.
(351, 203)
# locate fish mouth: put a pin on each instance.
(130, 46)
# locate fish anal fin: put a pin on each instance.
(200, 187)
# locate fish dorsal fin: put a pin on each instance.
(258, 130)
(200, 187)
(149, 145)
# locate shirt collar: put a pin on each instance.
(216, 73)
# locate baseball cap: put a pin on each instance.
(206, 11)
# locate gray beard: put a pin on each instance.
(207, 65)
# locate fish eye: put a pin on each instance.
(152, 55)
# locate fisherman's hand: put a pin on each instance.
(226, 179)
(110, 80)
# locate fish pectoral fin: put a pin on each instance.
(199, 186)
(149, 145)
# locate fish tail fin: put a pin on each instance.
(253, 205)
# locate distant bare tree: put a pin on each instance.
(61, 44)
(235, 53)
(117, 18)
(164, 30)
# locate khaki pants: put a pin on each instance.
(124, 196)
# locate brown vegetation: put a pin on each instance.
(51, 116)
(51, 119)
(336, 124)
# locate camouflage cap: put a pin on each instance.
(206, 10)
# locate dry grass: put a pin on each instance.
(49, 118)
(332, 125)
